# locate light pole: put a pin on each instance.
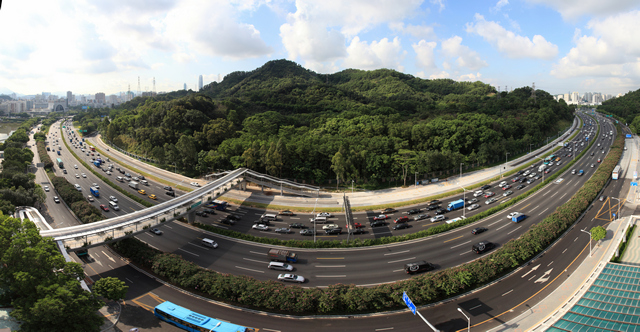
(548, 140)
(460, 172)
(464, 201)
(174, 168)
(506, 154)
(539, 168)
(584, 231)
(530, 147)
(617, 213)
(352, 186)
(468, 320)
(415, 180)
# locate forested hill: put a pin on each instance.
(627, 107)
(363, 125)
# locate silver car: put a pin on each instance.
(490, 200)
(291, 278)
(439, 217)
(473, 207)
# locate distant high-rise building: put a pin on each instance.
(69, 96)
(200, 83)
(185, 86)
(100, 98)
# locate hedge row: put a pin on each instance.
(426, 288)
(104, 179)
(44, 156)
(86, 212)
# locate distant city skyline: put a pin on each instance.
(561, 45)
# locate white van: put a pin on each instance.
(269, 217)
(209, 243)
(144, 182)
(114, 205)
(319, 220)
(280, 266)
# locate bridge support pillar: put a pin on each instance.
(191, 217)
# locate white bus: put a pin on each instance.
(616, 172)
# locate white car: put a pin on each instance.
(77, 176)
(478, 193)
(324, 214)
(95, 185)
(473, 207)
(473, 200)
(113, 199)
(46, 188)
(330, 226)
(84, 175)
(75, 166)
(195, 184)
(438, 218)
(291, 278)
(512, 214)
(260, 227)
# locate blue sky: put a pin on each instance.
(104, 46)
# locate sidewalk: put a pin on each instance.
(546, 312)
(365, 198)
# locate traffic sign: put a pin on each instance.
(196, 204)
(408, 302)
(634, 184)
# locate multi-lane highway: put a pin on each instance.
(372, 265)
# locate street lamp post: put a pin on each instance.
(617, 213)
(584, 231)
(506, 154)
(468, 320)
(542, 170)
(415, 180)
(460, 180)
(530, 147)
(352, 182)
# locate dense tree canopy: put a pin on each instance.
(626, 107)
(291, 122)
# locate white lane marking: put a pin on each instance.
(258, 214)
(266, 329)
(397, 270)
(330, 265)
(466, 252)
(575, 240)
(545, 210)
(244, 268)
(461, 244)
(253, 260)
(294, 218)
(258, 253)
(565, 250)
(169, 227)
(550, 263)
(109, 257)
(189, 252)
(554, 194)
(110, 266)
(335, 276)
(499, 228)
(401, 260)
(494, 223)
(533, 276)
(129, 280)
(384, 329)
(395, 253)
(507, 292)
(514, 230)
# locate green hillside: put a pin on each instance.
(365, 126)
(626, 107)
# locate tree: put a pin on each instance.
(111, 288)
(404, 159)
(598, 233)
(339, 165)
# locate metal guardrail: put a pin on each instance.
(89, 235)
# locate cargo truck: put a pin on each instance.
(518, 217)
(282, 255)
(94, 191)
(459, 204)
(97, 163)
(133, 185)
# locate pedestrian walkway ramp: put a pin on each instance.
(264, 180)
(612, 303)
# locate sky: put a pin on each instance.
(104, 46)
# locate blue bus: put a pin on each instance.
(193, 321)
(218, 205)
(549, 158)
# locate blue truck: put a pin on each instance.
(459, 204)
(581, 173)
(518, 217)
(97, 163)
(94, 191)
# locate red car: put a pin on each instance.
(488, 194)
(401, 220)
(598, 159)
(506, 187)
(104, 207)
(357, 225)
(380, 217)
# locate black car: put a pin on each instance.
(127, 175)
(233, 217)
(521, 186)
(297, 225)
(483, 246)
(389, 210)
(201, 213)
(121, 171)
(434, 202)
(478, 230)
(485, 187)
(413, 211)
(401, 226)
(440, 211)
(333, 231)
(418, 267)
(432, 207)
(357, 231)
(523, 180)
(378, 223)
(227, 221)
(171, 193)
(306, 232)
(167, 188)
(209, 211)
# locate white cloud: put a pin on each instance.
(511, 44)
(466, 57)
(440, 4)
(612, 51)
(572, 9)
(470, 77)
(418, 31)
(500, 4)
(425, 58)
(318, 30)
(382, 54)
(442, 74)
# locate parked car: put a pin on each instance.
(155, 231)
(227, 221)
(478, 230)
(283, 230)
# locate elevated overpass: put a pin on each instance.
(91, 235)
